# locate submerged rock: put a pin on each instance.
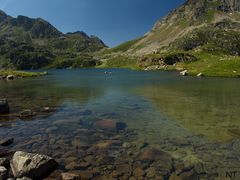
(159, 159)
(110, 124)
(24, 178)
(30, 165)
(4, 107)
(138, 172)
(6, 142)
(69, 176)
(27, 114)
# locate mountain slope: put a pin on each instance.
(28, 43)
(201, 36)
(192, 15)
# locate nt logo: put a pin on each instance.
(232, 174)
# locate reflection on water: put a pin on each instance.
(195, 119)
(205, 106)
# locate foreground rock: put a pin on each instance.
(3, 173)
(184, 73)
(33, 166)
(10, 77)
(4, 107)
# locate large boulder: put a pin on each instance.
(33, 166)
(4, 107)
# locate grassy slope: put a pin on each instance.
(213, 65)
(122, 47)
(121, 62)
(23, 74)
(209, 64)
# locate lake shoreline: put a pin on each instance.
(72, 115)
(14, 74)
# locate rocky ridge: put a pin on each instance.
(27, 43)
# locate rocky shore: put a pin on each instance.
(111, 155)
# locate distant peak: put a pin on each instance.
(3, 15)
(222, 5)
(78, 33)
(2, 12)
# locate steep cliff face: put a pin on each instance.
(192, 15)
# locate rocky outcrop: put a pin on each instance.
(34, 166)
(4, 107)
(162, 60)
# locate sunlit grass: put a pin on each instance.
(23, 74)
(213, 65)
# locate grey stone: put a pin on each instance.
(30, 165)
(184, 73)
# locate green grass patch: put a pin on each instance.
(208, 16)
(183, 23)
(23, 74)
(213, 65)
(122, 47)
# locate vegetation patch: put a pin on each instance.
(166, 59)
(80, 61)
(121, 61)
(213, 65)
(22, 74)
(122, 47)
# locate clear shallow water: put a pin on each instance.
(176, 114)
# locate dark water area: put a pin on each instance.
(195, 120)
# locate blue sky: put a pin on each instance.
(114, 21)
